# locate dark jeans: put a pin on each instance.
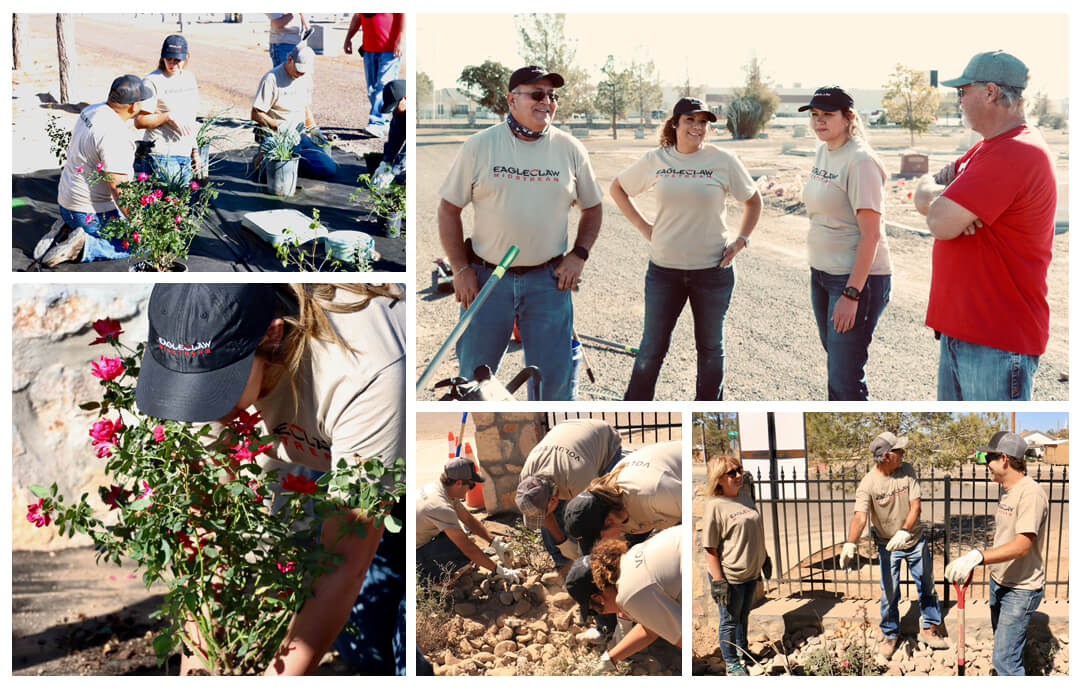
(1010, 612)
(734, 618)
(666, 291)
(847, 352)
(438, 558)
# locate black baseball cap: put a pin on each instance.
(392, 93)
(580, 585)
(533, 74)
(830, 99)
(174, 47)
(584, 517)
(128, 89)
(689, 106)
(200, 346)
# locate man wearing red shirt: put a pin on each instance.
(992, 216)
(381, 45)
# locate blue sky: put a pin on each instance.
(1041, 420)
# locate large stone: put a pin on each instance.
(521, 607)
(505, 633)
(484, 658)
(506, 598)
(550, 579)
(562, 621)
(473, 628)
(502, 672)
(525, 638)
(465, 609)
(448, 658)
(504, 647)
(518, 591)
(538, 626)
(532, 652)
(923, 665)
(537, 593)
(563, 600)
(541, 637)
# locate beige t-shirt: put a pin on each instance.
(842, 182)
(290, 33)
(179, 96)
(733, 527)
(888, 500)
(690, 229)
(1022, 509)
(99, 136)
(573, 454)
(651, 482)
(282, 97)
(521, 191)
(650, 584)
(348, 403)
(435, 512)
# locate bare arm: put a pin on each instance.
(354, 26)
(282, 21)
(553, 527)
(260, 117)
(751, 215)
(630, 210)
(914, 510)
(869, 222)
(472, 523)
(452, 238)
(855, 528)
(945, 218)
(712, 559)
(1016, 548)
(570, 267)
(638, 638)
(470, 549)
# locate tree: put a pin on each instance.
(425, 90)
(753, 105)
(645, 89)
(486, 85)
(65, 53)
(910, 100)
(712, 430)
(542, 41)
(18, 39)
(611, 93)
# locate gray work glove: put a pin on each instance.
(721, 592)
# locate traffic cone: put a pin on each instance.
(474, 498)
(515, 336)
(453, 446)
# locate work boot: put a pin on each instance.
(68, 247)
(736, 670)
(934, 637)
(888, 647)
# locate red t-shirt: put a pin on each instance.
(990, 287)
(380, 31)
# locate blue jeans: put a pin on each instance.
(1010, 612)
(166, 168)
(921, 568)
(666, 291)
(96, 248)
(438, 558)
(314, 160)
(974, 372)
(545, 317)
(847, 352)
(734, 619)
(279, 52)
(379, 70)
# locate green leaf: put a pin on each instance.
(89, 406)
(140, 504)
(39, 491)
(393, 525)
(163, 645)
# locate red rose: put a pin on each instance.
(298, 484)
(107, 329)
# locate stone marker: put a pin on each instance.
(914, 165)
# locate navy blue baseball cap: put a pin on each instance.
(174, 47)
(581, 586)
(533, 74)
(584, 516)
(128, 89)
(830, 99)
(200, 346)
(392, 94)
(689, 106)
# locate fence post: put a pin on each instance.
(775, 495)
(948, 528)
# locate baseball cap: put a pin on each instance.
(392, 93)
(175, 47)
(584, 518)
(461, 469)
(885, 442)
(689, 106)
(533, 74)
(581, 586)
(303, 59)
(128, 89)
(830, 99)
(1008, 443)
(996, 66)
(533, 495)
(200, 346)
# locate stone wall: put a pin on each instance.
(50, 377)
(503, 441)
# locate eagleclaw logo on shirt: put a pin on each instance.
(292, 435)
(684, 174)
(886, 497)
(823, 175)
(183, 349)
(1006, 511)
(528, 175)
(740, 515)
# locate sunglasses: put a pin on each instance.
(471, 484)
(986, 457)
(734, 473)
(539, 95)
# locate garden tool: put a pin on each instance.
(960, 591)
(467, 317)
(486, 388)
(461, 434)
(621, 347)
(584, 359)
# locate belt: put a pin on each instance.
(515, 270)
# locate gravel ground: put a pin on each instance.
(773, 352)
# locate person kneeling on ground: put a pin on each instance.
(442, 546)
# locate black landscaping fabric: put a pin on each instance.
(222, 244)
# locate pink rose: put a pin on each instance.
(157, 194)
(147, 491)
(145, 199)
(107, 368)
(104, 431)
(241, 453)
(89, 218)
(100, 166)
(285, 568)
(79, 169)
(107, 329)
(178, 220)
(194, 185)
(142, 176)
(159, 433)
(38, 518)
(103, 450)
(136, 237)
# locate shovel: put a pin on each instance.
(960, 591)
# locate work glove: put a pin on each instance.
(570, 549)
(605, 664)
(510, 576)
(847, 555)
(502, 551)
(317, 137)
(384, 175)
(721, 592)
(959, 569)
(766, 568)
(898, 540)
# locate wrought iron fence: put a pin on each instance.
(636, 426)
(808, 518)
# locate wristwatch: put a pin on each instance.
(581, 252)
(745, 240)
(851, 293)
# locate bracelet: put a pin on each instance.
(461, 269)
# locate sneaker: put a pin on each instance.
(68, 247)
(371, 132)
(736, 670)
(888, 647)
(934, 637)
(48, 239)
(593, 636)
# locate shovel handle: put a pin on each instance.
(960, 644)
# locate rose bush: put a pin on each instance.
(196, 514)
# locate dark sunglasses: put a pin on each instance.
(734, 473)
(539, 95)
(986, 457)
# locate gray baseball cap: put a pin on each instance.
(533, 495)
(996, 66)
(886, 442)
(1008, 443)
(461, 469)
(303, 59)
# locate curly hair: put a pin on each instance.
(604, 562)
(667, 131)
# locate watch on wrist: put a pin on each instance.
(851, 293)
(745, 241)
(581, 252)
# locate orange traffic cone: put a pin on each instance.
(516, 335)
(453, 446)
(475, 497)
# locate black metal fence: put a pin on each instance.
(958, 510)
(635, 426)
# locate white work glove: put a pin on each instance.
(605, 664)
(958, 570)
(847, 555)
(501, 551)
(511, 576)
(570, 549)
(384, 175)
(898, 540)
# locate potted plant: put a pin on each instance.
(205, 139)
(198, 517)
(387, 202)
(159, 219)
(280, 159)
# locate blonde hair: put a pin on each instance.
(604, 561)
(856, 128)
(606, 488)
(719, 466)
